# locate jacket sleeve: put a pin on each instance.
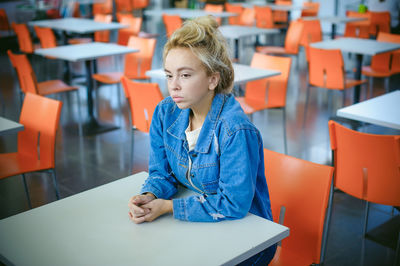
(160, 181)
(239, 163)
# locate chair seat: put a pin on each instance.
(271, 50)
(251, 106)
(108, 77)
(368, 71)
(79, 40)
(54, 86)
(12, 164)
(353, 82)
(287, 257)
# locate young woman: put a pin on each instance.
(201, 138)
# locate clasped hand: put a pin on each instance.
(146, 208)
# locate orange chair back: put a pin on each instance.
(264, 17)
(172, 23)
(136, 64)
(380, 22)
(234, 9)
(247, 17)
(140, 4)
(46, 37)
(143, 99)
(395, 55)
(4, 24)
(293, 36)
(26, 76)
(215, 9)
(134, 23)
(270, 90)
(105, 7)
(358, 29)
(124, 6)
(312, 32)
(102, 36)
(281, 16)
(366, 165)
(24, 38)
(302, 188)
(326, 68)
(312, 9)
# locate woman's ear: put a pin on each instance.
(213, 80)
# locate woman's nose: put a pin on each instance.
(174, 83)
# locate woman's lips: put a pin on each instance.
(177, 99)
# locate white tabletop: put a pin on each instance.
(335, 19)
(383, 110)
(235, 31)
(273, 6)
(9, 126)
(357, 46)
(187, 13)
(86, 51)
(77, 25)
(243, 73)
(93, 228)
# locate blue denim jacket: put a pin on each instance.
(227, 163)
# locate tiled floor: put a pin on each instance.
(84, 163)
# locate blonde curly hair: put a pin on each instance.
(202, 37)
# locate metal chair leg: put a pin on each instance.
(53, 172)
(364, 231)
(132, 149)
(284, 129)
(27, 191)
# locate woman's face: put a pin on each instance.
(188, 83)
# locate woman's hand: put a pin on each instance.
(145, 208)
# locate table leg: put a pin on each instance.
(357, 76)
(92, 126)
(333, 32)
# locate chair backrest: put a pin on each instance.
(326, 68)
(124, 6)
(312, 9)
(247, 17)
(140, 4)
(46, 37)
(293, 36)
(281, 16)
(215, 9)
(359, 29)
(105, 7)
(302, 188)
(234, 9)
(4, 23)
(40, 117)
(312, 32)
(134, 23)
(143, 99)
(172, 23)
(366, 165)
(264, 18)
(395, 55)
(26, 76)
(102, 36)
(380, 22)
(136, 64)
(24, 38)
(270, 90)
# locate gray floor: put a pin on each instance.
(87, 162)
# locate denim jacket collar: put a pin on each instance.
(178, 127)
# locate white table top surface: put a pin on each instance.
(93, 228)
(383, 110)
(187, 13)
(86, 51)
(77, 25)
(235, 31)
(335, 19)
(357, 46)
(8, 126)
(243, 73)
(273, 6)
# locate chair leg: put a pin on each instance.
(396, 256)
(306, 105)
(132, 149)
(371, 87)
(284, 129)
(53, 172)
(364, 231)
(27, 191)
(387, 84)
(327, 224)
(79, 114)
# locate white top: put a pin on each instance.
(77, 25)
(383, 110)
(357, 46)
(187, 13)
(93, 228)
(335, 19)
(235, 31)
(9, 126)
(85, 51)
(243, 73)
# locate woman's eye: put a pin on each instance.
(185, 75)
(168, 76)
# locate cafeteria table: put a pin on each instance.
(93, 228)
(186, 13)
(88, 52)
(9, 127)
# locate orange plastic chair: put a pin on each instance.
(380, 22)
(140, 4)
(102, 36)
(264, 18)
(172, 23)
(359, 29)
(46, 37)
(36, 143)
(134, 23)
(281, 16)
(312, 9)
(143, 99)
(366, 167)
(299, 193)
(234, 9)
(124, 6)
(292, 41)
(312, 32)
(24, 38)
(215, 9)
(102, 8)
(4, 23)
(247, 17)
(270, 92)
(383, 65)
